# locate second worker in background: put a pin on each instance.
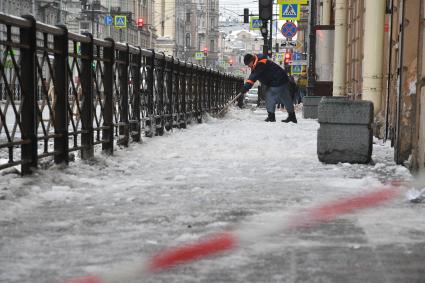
(277, 81)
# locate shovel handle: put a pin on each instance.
(228, 104)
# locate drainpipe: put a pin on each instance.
(340, 50)
(325, 48)
(326, 12)
(373, 54)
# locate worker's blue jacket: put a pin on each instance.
(267, 72)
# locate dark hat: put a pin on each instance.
(248, 58)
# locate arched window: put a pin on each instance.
(187, 40)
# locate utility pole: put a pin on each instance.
(311, 75)
(32, 8)
(271, 38)
(265, 11)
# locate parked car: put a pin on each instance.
(251, 97)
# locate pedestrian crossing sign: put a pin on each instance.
(199, 55)
(296, 69)
(289, 12)
(256, 23)
(302, 2)
(120, 21)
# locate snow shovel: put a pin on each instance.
(222, 111)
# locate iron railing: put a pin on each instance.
(62, 92)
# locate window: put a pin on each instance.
(188, 16)
(187, 39)
(212, 45)
(84, 25)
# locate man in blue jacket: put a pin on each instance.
(277, 82)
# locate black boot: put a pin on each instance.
(271, 117)
(291, 118)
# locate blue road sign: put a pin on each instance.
(108, 20)
(296, 56)
(120, 21)
(296, 69)
(256, 23)
(288, 30)
(289, 12)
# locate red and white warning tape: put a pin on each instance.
(225, 241)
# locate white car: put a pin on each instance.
(251, 96)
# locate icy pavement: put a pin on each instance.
(87, 218)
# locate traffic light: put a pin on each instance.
(205, 51)
(264, 30)
(277, 47)
(265, 9)
(140, 22)
(288, 57)
(246, 16)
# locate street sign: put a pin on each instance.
(301, 2)
(108, 20)
(299, 45)
(279, 57)
(289, 12)
(289, 30)
(120, 21)
(296, 56)
(299, 62)
(255, 23)
(199, 55)
(296, 69)
(288, 44)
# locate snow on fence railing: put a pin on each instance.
(62, 92)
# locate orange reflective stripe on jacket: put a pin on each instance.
(264, 61)
(255, 61)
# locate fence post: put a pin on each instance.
(29, 93)
(61, 92)
(210, 83)
(136, 67)
(159, 119)
(183, 114)
(123, 127)
(108, 84)
(177, 106)
(200, 75)
(150, 90)
(169, 106)
(87, 143)
(190, 96)
(195, 92)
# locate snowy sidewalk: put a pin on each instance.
(70, 221)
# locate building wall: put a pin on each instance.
(406, 108)
(419, 135)
(15, 7)
(355, 47)
(401, 117)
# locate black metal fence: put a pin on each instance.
(62, 92)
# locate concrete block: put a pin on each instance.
(340, 110)
(310, 106)
(344, 143)
(345, 133)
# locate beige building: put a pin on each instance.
(185, 27)
(379, 56)
(133, 9)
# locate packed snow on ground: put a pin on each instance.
(223, 174)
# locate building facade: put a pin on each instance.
(384, 62)
(185, 27)
(82, 16)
